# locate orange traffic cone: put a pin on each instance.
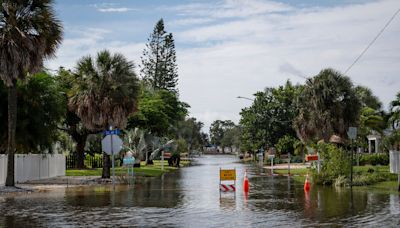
(307, 184)
(245, 183)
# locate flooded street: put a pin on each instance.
(190, 198)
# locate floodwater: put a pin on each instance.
(190, 197)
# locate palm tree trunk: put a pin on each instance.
(12, 126)
(80, 150)
(106, 166)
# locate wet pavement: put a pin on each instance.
(190, 197)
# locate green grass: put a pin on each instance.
(377, 168)
(303, 171)
(381, 187)
(146, 171)
(380, 178)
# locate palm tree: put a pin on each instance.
(29, 33)
(105, 94)
(395, 112)
(328, 105)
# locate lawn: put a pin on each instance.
(377, 177)
(147, 171)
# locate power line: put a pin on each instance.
(373, 41)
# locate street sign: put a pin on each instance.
(116, 144)
(312, 157)
(129, 161)
(112, 132)
(227, 174)
(352, 133)
(271, 156)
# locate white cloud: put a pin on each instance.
(230, 8)
(113, 10)
(88, 42)
(249, 53)
(234, 48)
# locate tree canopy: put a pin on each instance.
(159, 67)
(29, 33)
(41, 109)
(328, 105)
(270, 117)
(105, 92)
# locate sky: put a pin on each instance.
(231, 48)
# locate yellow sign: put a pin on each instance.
(227, 174)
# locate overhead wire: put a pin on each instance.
(373, 41)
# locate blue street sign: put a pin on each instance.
(112, 132)
(129, 161)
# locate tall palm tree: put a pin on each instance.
(105, 94)
(328, 105)
(29, 33)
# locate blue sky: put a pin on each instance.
(230, 48)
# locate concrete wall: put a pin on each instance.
(33, 167)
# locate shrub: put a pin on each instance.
(374, 159)
(285, 145)
(335, 163)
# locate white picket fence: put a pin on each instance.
(33, 167)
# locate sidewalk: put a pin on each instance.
(292, 166)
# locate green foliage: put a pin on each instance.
(218, 129)
(96, 157)
(392, 140)
(336, 162)
(158, 112)
(191, 130)
(367, 98)
(374, 159)
(181, 146)
(105, 91)
(159, 66)
(41, 109)
(285, 145)
(328, 105)
(232, 137)
(361, 179)
(270, 117)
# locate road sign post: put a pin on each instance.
(112, 144)
(272, 156)
(352, 134)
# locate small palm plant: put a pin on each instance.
(134, 141)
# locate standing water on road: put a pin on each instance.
(190, 197)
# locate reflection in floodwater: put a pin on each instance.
(190, 198)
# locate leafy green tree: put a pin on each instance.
(104, 94)
(232, 137)
(285, 145)
(159, 66)
(367, 98)
(159, 112)
(372, 119)
(190, 130)
(29, 33)
(217, 131)
(395, 112)
(328, 105)
(392, 141)
(72, 124)
(41, 109)
(270, 117)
